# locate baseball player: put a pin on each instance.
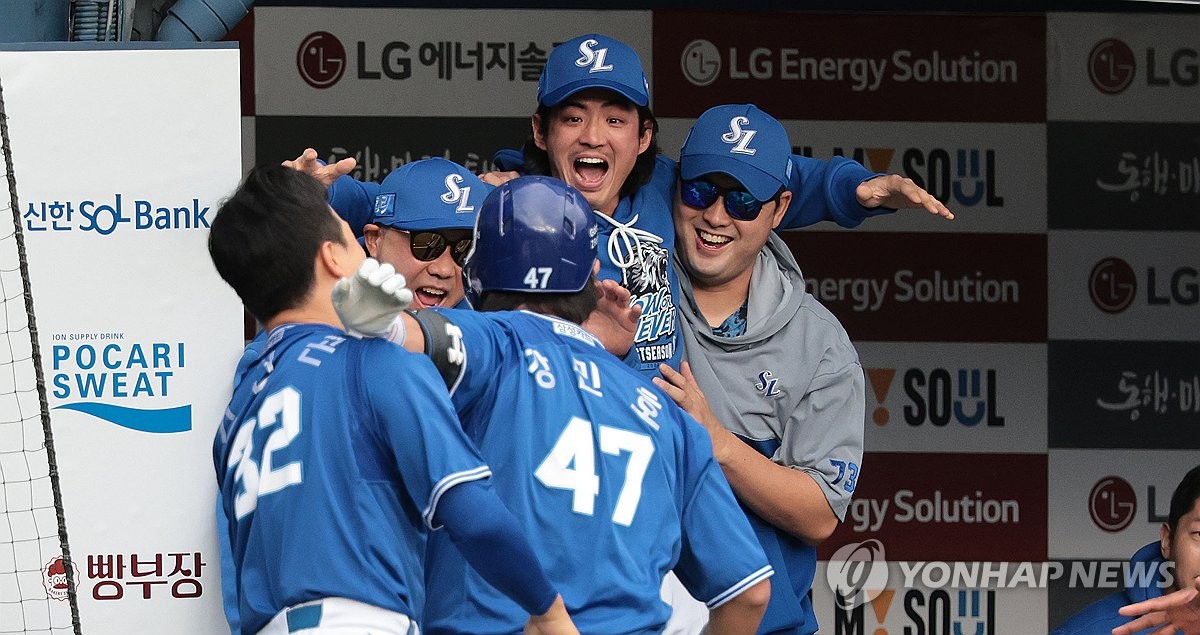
(614, 483)
(332, 473)
(1160, 599)
(423, 216)
(593, 128)
(770, 372)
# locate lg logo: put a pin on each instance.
(1111, 66)
(1112, 504)
(321, 59)
(701, 62)
(1112, 285)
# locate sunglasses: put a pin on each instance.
(700, 194)
(428, 246)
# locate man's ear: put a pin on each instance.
(647, 136)
(372, 233)
(1164, 541)
(785, 200)
(339, 260)
(596, 267)
(539, 139)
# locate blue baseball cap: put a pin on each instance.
(592, 61)
(742, 141)
(430, 194)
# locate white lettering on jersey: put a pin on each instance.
(456, 194)
(593, 57)
(571, 465)
(589, 376)
(539, 367)
(456, 353)
(282, 407)
(738, 137)
(646, 407)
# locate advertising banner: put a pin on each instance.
(933, 597)
(1124, 285)
(1139, 176)
(948, 507)
(935, 397)
(121, 159)
(382, 144)
(418, 62)
(836, 66)
(1107, 504)
(908, 287)
(1107, 394)
(1123, 67)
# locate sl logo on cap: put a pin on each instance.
(455, 194)
(595, 58)
(738, 137)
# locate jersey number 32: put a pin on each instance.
(283, 408)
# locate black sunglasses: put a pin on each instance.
(429, 245)
(739, 204)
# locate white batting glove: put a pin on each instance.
(370, 301)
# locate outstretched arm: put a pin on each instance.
(843, 191)
(308, 163)
(898, 192)
(1175, 612)
(371, 303)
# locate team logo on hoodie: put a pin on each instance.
(767, 384)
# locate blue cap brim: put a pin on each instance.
(761, 185)
(460, 221)
(559, 95)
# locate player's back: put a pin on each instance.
(599, 466)
(323, 499)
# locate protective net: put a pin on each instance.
(37, 578)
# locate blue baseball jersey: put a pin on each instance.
(330, 471)
(614, 484)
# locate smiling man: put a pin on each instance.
(423, 217)
(771, 373)
(594, 129)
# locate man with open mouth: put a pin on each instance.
(593, 128)
(423, 217)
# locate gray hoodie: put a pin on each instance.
(792, 388)
(792, 385)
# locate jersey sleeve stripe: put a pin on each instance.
(446, 483)
(737, 589)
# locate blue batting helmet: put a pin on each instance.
(534, 234)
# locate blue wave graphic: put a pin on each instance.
(166, 420)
